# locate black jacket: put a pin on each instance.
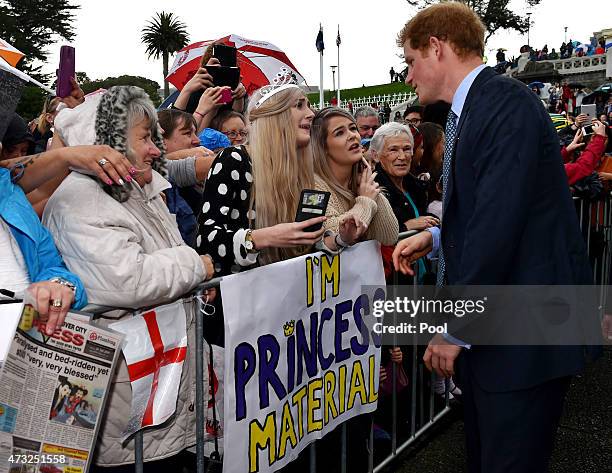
(399, 203)
(509, 220)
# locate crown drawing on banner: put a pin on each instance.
(285, 79)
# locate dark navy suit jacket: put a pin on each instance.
(509, 220)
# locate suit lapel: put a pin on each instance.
(481, 78)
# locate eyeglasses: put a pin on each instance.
(232, 135)
(414, 121)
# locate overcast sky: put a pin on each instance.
(108, 33)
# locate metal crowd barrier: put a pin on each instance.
(595, 222)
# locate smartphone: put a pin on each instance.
(225, 54)
(312, 204)
(590, 111)
(223, 75)
(226, 96)
(65, 72)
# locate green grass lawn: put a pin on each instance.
(349, 94)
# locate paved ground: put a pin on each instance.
(584, 440)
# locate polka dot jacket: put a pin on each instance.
(225, 212)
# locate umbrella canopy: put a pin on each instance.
(9, 53)
(604, 90)
(259, 62)
(537, 84)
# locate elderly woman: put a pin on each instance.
(393, 145)
(126, 247)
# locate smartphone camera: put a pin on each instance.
(587, 130)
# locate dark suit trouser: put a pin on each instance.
(510, 432)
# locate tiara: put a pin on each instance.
(285, 79)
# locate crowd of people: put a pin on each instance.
(109, 201)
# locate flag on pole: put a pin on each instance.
(319, 42)
(338, 37)
(155, 351)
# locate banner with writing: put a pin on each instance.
(299, 358)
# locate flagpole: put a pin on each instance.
(338, 90)
(321, 98)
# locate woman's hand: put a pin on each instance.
(239, 92)
(288, 235)
(368, 187)
(52, 302)
(421, 223)
(197, 152)
(210, 100)
(576, 142)
(605, 176)
(599, 128)
(102, 160)
(351, 229)
(396, 354)
(76, 97)
(200, 80)
(208, 266)
(383, 374)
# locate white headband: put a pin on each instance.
(272, 92)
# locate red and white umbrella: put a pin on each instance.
(259, 62)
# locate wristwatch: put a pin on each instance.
(63, 282)
(248, 242)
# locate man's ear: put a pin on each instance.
(435, 46)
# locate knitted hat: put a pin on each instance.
(112, 128)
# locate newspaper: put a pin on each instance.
(52, 393)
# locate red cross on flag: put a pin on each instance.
(155, 348)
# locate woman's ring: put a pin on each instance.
(56, 303)
(102, 162)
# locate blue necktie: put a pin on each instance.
(451, 133)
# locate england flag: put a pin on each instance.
(155, 350)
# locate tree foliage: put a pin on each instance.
(33, 98)
(149, 86)
(495, 14)
(33, 26)
(163, 35)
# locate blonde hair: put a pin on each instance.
(50, 106)
(280, 170)
(318, 133)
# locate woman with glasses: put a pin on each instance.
(233, 125)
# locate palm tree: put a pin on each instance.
(163, 35)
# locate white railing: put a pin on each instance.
(395, 101)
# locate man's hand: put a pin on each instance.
(606, 327)
(411, 249)
(441, 355)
